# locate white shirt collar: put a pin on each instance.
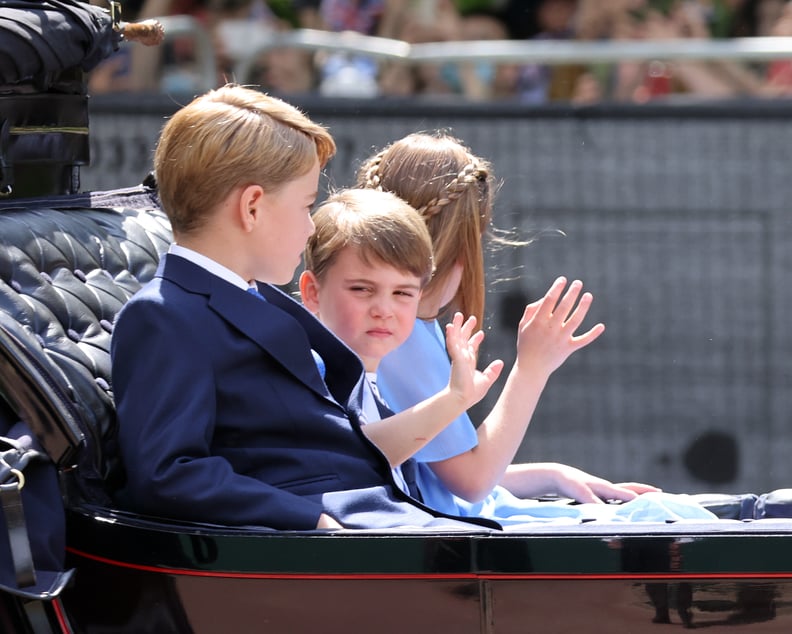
(208, 264)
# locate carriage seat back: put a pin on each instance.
(67, 266)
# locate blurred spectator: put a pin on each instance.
(554, 20)
(641, 82)
(752, 18)
(307, 14)
(481, 80)
(142, 68)
(238, 28)
(440, 21)
(282, 71)
(778, 79)
(370, 17)
(114, 74)
(519, 16)
(721, 16)
(399, 79)
(235, 28)
(707, 79)
(349, 75)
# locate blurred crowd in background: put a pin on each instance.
(236, 28)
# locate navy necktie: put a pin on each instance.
(409, 468)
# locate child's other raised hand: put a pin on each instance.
(462, 342)
(546, 335)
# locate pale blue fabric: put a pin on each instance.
(320, 364)
(649, 507)
(415, 371)
(420, 368)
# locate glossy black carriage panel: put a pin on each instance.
(642, 606)
(137, 601)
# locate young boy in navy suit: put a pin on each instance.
(236, 405)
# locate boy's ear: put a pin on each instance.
(249, 205)
(309, 291)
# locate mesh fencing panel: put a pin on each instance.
(676, 219)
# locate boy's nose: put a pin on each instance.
(381, 308)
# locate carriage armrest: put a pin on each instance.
(34, 397)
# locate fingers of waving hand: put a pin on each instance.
(566, 309)
(467, 328)
(481, 382)
(463, 347)
(484, 379)
(547, 332)
(576, 318)
(461, 337)
(563, 312)
(573, 314)
(548, 304)
(557, 309)
(530, 310)
(581, 341)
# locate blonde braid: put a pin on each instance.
(454, 189)
(372, 173)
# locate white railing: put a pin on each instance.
(551, 52)
(530, 51)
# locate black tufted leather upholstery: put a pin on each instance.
(67, 266)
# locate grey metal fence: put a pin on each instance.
(675, 217)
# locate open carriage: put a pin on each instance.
(70, 262)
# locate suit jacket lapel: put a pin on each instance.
(344, 368)
(274, 330)
(271, 328)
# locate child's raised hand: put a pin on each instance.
(546, 334)
(467, 382)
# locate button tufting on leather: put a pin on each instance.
(71, 293)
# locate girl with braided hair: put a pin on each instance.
(467, 470)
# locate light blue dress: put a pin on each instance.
(420, 368)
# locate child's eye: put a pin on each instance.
(360, 289)
(405, 293)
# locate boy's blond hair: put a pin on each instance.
(381, 227)
(227, 138)
(452, 189)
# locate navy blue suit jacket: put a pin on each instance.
(224, 418)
